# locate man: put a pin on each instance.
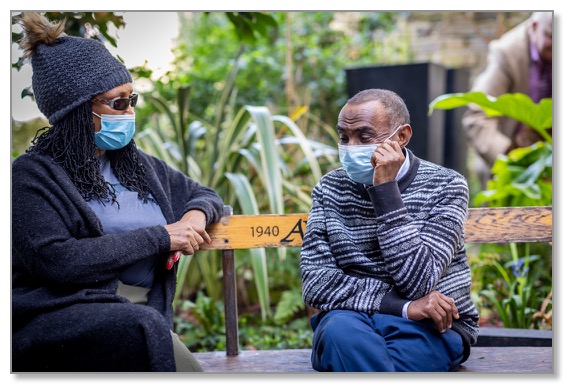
(383, 255)
(520, 61)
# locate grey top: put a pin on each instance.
(130, 213)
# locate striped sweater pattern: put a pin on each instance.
(371, 249)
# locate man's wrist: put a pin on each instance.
(404, 310)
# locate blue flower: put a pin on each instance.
(519, 269)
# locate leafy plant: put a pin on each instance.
(296, 69)
(291, 302)
(523, 177)
(258, 162)
(250, 26)
(517, 106)
(269, 335)
(481, 259)
(517, 295)
(200, 324)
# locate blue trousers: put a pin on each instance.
(349, 341)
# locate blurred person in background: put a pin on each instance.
(520, 61)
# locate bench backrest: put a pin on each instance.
(484, 225)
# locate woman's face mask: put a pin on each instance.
(356, 160)
(116, 132)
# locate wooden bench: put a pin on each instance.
(484, 225)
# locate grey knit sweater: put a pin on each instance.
(373, 249)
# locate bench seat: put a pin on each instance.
(497, 350)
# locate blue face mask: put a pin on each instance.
(356, 161)
(117, 131)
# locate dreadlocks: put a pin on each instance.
(70, 142)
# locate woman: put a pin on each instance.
(96, 223)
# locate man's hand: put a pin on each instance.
(435, 306)
(386, 160)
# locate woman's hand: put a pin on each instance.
(186, 235)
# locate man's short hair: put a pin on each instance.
(393, 104)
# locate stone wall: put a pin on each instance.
(456, 39)
(452, 39)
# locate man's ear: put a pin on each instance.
(404, 135)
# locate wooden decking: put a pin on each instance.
(283, 360)
(482, 359)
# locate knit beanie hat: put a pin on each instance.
(71, 71)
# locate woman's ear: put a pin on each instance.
(404, 135)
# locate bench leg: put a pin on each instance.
(230, 303)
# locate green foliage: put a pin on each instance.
(291, 302)
(513, 290)
(299, 63)
(523, 177)
(268, 335)
(250, 26)
(371, 45)
(200, 324)
(206, 54)
(252, 335)
(517, 106)
(519, 289)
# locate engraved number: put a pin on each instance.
(265, 231)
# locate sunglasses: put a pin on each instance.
(121, 103)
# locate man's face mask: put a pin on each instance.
(356, 160)
(117, 131)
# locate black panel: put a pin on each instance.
(438, 138)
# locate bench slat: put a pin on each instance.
(257, 231)
(511, 224)
(484, 225)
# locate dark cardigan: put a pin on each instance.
(65, 314)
